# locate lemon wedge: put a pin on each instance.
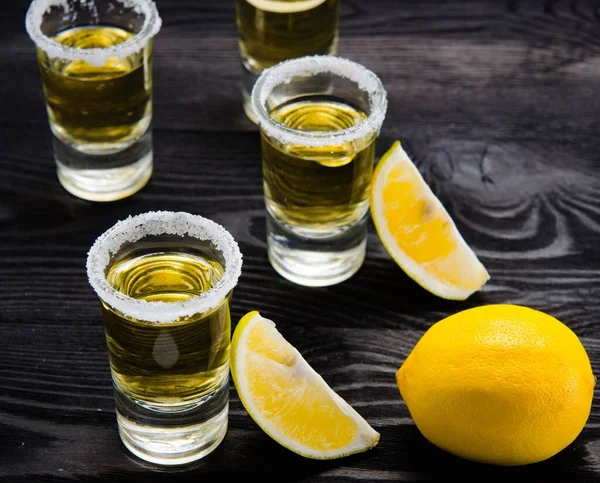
(288, 399)
(418, 232)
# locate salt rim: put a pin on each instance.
(96, 56)
(179, 223)
(284, 71)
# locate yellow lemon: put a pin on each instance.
(288, 399)
(500, 384)
(418, 232)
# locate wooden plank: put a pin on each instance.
(497, 103)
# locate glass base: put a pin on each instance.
(246, 99)
(316, 262)
(249, 77)
(104, 177)
(173, 435)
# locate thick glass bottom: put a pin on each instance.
(104, 177)
(248, 79)
(247, 100)
(173, 435)
(316, 262)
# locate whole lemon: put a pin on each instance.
(499, 384)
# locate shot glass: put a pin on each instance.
(271, 31)
(165, 281)
(95, 59)
(319, 119)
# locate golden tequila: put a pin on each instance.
(319, 119)
(97, 105)
(95, 62)
(317, 188)
(167, 363)
(275, 30)
(165, 281)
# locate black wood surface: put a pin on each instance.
(497, 102)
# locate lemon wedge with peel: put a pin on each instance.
(418, 232)
(288, 399)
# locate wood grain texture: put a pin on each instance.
(497, 103)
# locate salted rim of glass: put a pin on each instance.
(180, 223)
(284, 72)
(95, 56)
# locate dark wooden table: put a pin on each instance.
(497, 102)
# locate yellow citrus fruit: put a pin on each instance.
(418, 232)
(499, 384)
(288, 399)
